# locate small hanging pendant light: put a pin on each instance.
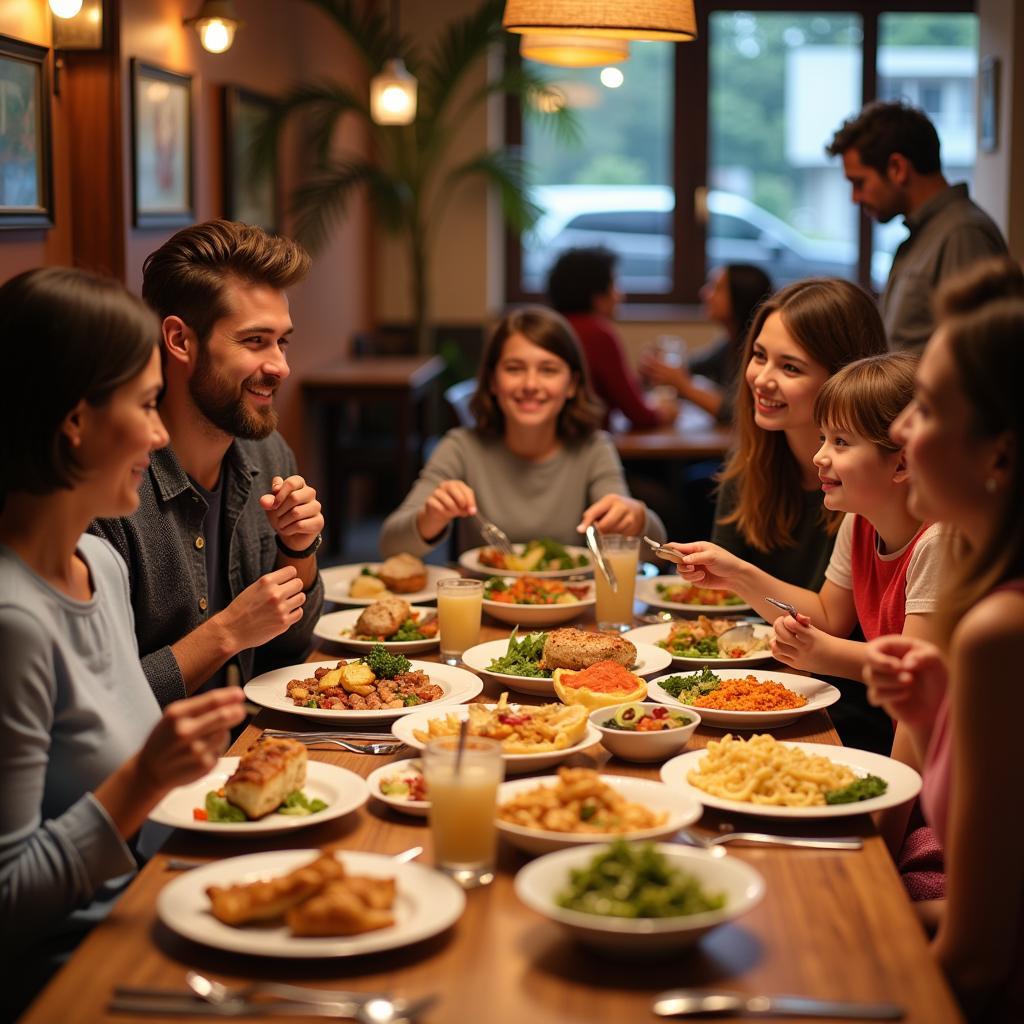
(393, 89)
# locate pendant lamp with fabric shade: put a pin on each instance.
(622, 19)
(572, 51)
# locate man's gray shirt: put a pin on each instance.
(947, 234)
(162, 544)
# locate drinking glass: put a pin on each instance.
(671, 349)
(614, 608)
(463, 806)
(459, 604)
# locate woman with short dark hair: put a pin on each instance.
(85, 754)
(536, 463)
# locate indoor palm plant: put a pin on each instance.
(406, 174)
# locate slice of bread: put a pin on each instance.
(266, 774)
(403, 574)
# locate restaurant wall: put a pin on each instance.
(1002, 36)
(280, 44)
(29, 22)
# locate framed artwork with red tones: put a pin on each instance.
(162, 192)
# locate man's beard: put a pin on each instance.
(223, 405)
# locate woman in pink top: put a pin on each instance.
(962, 702)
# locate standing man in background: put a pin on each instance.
(221, 552)
(890, 155)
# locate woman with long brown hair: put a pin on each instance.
(961, 701)
(535, 463)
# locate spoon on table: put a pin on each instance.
(683, 1002)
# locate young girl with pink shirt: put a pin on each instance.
(883, 572)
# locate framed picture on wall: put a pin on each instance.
(250, 184)
(26, 192)
(988, 105)
(161, 146)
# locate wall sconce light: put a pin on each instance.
(638, 19)
(216, 24)
(77, 24)
(393, 90)
(572, 51)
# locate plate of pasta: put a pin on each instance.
(672, 594)
(769, 779)
(579, 805)
(532, 736)
(743, 698)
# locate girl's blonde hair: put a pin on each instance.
(865, 397)
(835, 322)
(988, 353)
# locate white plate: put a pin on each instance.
(647, 591)
(268, 690)
(471, 560)
(539, 883)
(426, 903)
(343, 792)
(904, 783)
(819, 695)
(333, 626)
(682, 810)
(652, 634)
(405, 728)
(417, 808)
(338, 578)
(650, 661)
(529, 616)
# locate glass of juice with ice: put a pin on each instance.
(614, 608)
(463, 796)
(459, 604)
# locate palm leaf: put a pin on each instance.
(319, 202)
(366, 26)
(506, 170)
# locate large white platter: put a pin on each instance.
(338, 578)
(652, 634)
(417, 808)
(819, 695)
(268, 690)
(334, 625)
(530, 616)
(904, 783)
(650, 660)
(647, 591)
(426, 903)
(470, 560)
(681, 808)
(515, 764)
(343, 792)
(635, 938)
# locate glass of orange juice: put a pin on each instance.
(463, 796)
(459, 604)
(614, 608)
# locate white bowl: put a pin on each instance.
(416, 808)
(528, 616)
(538, 883)
(644, 746)
(819, 694)
(405, 730)
(682, 811)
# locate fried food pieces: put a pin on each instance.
(267, 773)
(316, 899)
(577, 649)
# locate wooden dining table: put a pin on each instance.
(833, 924)
(695, 435)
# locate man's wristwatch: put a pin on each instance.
(304, 553)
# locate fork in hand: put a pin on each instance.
(494, 536)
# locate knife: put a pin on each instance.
(686, 1002)
(595, 548)
(188, 1006)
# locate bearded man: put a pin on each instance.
(221, 552)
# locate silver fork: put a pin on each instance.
(494, 536)
(357, 748)
(336, 734)
(714, 843)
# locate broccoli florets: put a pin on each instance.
(385, 665)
